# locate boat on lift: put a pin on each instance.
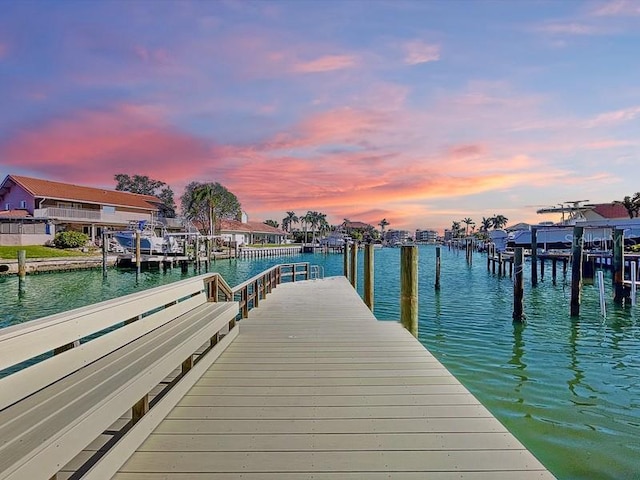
(150, 241)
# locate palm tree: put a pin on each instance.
(468, 222)
(206, 194)
(289, 220)
(485, 225)
(632, 205)
(272, 223)
(307, 220)
(455, 229)
(383, 223)
(499, 221)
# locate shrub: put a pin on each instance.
(70, 239)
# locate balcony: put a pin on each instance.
(90, 216)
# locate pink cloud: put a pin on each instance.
(326, 63)
(417, 51)
(568, 28)
(92, 146)
(617, 116)
(616, 8)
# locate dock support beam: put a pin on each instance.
(618, 266)
(534, 257)
(22, 264)
(345, 259)
(409, 288)
(368, 275)
(518, 286)
(437, 285)
(104, 253)
(354, 265)
(576, 270)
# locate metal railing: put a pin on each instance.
(250, 292)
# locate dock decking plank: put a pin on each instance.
(315, 387)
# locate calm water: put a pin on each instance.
(569, 389)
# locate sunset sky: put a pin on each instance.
(420, 112)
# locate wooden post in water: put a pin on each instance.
(490, 249)
(534, 256)
(554, 270)
(22, 264)
(104, 253)
(618, 266)
(437, 286)
(576, 270)
(518, 286)
(354, 265)
(138, 259)
(409, 288)
(368, 275)
(345, 259)
(588, 271)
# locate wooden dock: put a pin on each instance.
(315, 387)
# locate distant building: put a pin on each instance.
(247, 232)
(448, 235)
(396, 236)
(426, 236)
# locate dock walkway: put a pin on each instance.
(315, 387)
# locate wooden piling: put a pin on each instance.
(490, 249)
(22, 264)
(534, 257)
(618, 266)
(354, 265)
(368, 275)
(518, 286)
(437, 286)
(345, 259)
(576, 270)
(138, 254)
(409, 288)
(104, 254)
(554, 270)
(588, 271)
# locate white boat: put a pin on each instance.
(150, 241)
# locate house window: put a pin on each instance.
(7, 206)
(108, 209)
(23, 204)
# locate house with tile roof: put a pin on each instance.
(247, 232)
(32, 210)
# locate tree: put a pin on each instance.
(455, 229)
(272, 223)
(383, 224)
(631, 204)
(485, 225)
(208, 203)
(290, 219)
(144, 185)
(468, 222)
(499, 221)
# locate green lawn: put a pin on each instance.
(39, 251)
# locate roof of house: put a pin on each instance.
(610, 210)
(14, 214)
(360, 225)
(69, 192)
(227, 225)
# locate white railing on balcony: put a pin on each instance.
(90, 215)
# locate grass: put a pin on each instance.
(39, 251)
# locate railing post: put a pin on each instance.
(138, 259)
(307, 270)
(409, 288)
(368, 275)
(104, 254)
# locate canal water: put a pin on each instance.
(568, 388)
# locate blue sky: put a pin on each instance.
(420, 112)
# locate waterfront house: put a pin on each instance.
(243, 233)
(32, 210)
